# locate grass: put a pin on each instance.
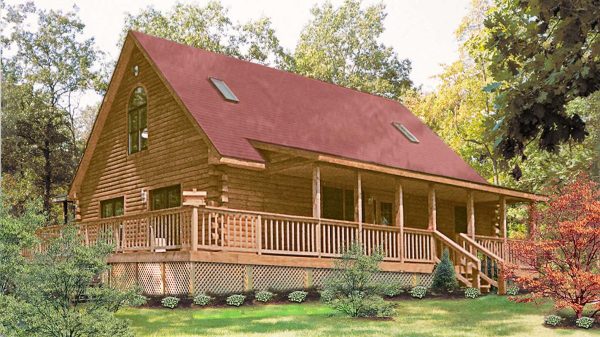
(485, 316)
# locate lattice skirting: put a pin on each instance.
(180, 278)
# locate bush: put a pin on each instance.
(444, 276)
(472, 293)
(263, 296)
(202, 299)
(552, 320)
(170, 302)
(584, 322)
(418, 292)
(512, 291)
(326, 296)
(235, 300)
(352, 290)
(392, 290)
(297, 296)
(358, 305)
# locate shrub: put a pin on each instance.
(264, 296)
(584, 322)
(392, 290)
(444, 276)
(170, 302)
(297, 296)
(202, 299)
(472, 293)
(235, 300)
(512, 291)
(326, 296)
(418, 292)
(552, 320)
(352, 290)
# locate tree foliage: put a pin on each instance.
(542, 55)
(341, 45)
(47, 68)
(564, 249)
(53, 292)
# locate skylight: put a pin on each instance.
(405, 132)
(224, 89)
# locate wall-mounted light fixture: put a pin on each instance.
(143, 195)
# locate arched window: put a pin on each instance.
(138, 124)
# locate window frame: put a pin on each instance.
(112, 201)
(141, 112)
(166, 190)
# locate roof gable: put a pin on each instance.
(286, 109)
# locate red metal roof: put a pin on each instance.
(286, 109)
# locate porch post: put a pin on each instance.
(470, 214)
(359, 206)
(400, 219)
(316, 192)
(501, 278)
(530, 223)
(502, 214)
(432, 209)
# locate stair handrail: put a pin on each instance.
(481, 248)
(458, 248)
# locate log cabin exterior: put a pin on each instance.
(220, 175)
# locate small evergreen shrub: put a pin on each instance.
(235, 300)
(472, 293)
(170, 302)
(392, 290)
(512, 291)
(297, 296)
(263, 296)
(552, 320)
(202, 299)
(418, 292)
(584, 322)
(444, 276)
(326, 296)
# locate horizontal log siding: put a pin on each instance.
(176, 153)
(258, 191)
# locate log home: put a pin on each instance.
(219, 175)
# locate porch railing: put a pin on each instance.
(223, 229)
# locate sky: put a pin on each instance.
(420, 30)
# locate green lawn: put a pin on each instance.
(486, 316)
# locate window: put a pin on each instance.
(386, 213)
(112, 207)
(405, 132)
(165, 197)
(137, 124)
(224, 90)
(338, 203)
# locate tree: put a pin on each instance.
(53, 293)
(341, 45)
(444, 276)
(51, 66)
(564, 249)
(542, 55)
(210, 28)
(352, 289)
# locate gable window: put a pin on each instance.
(406, 132)
(137, 121)
(112, 207)
(166, 197)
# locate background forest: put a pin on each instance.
(521, 104)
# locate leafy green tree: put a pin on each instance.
(209, 27)
(444, 275)
(54, 293)
(341, 45)
(542, 55)
(47, 70)
(352, 289)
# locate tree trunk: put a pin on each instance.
(47, 179)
